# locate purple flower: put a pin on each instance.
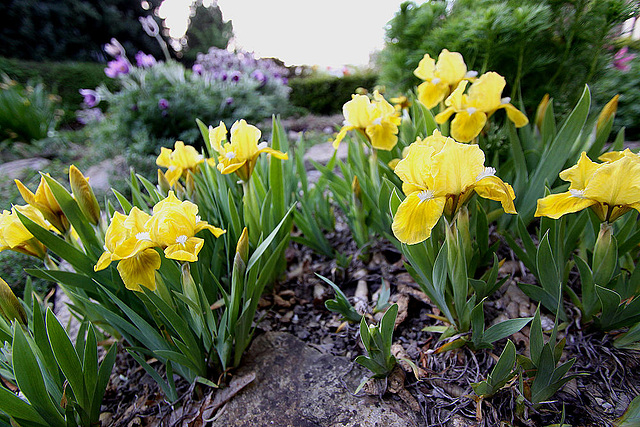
(197, 69)
(117, 67)
(145, 61)
(114, 48)
(91, 97)
(235, 77)
(259, 76)
(163, 104)
(621, 60)
(229, 100)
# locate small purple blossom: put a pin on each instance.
(91, 97)
(117, 67)
(235, 77)
(163, 104)
(145, 61)
(229, 100)
(259, 76)
(114, 48)
(197, 69)
(621, 59)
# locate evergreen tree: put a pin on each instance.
(73, 29)
(206, 29)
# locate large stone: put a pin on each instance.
(18, 169)
(296, 385)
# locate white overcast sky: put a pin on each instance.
(311, 32)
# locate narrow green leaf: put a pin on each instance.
(90, 362)
(31, 383)
(505, 363)
(631, 417)
(66, 357)
(20, 410)
(104, 373)
(505, 329)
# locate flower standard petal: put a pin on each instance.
(580, 174)
(418, 213)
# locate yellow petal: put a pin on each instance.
(415, 168)
(493, 188)
(465, 126)
(616, 183)
(140, 270)
(450, 67)
(383, 136)
(216, 136)
(358, 112)
(103, 262)
(456, 99)
(275, 153)
(580, 174)
(341, 135)
(486, 93)
(516, 116)
(556, 205)
(431, 94)
(217, 232)
(444, 115)
(426, 68)
(416, 216)
(456, 167)
(187, 251)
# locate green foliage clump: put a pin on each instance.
(62, 78)
(540, 46)
(327, 94)
(26, 113)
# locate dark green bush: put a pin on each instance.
(546, 46)
(327, 94)
(62, 78)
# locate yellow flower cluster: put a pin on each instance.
(179, 161)
(439, 175)
(241, 153)
(132, 239)
(611, 188)
(376, 119)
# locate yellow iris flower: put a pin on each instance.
(611, 189)
(376, 119)
(46, 203)
(173, 226)
(241, 153)
(441, 77)
(132, 239)
(438, 176)
(128, 241)
(474, 108)
(178, 161)
(15, 236)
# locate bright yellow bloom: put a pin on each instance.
(474, 108)
(15, 236)
(439, 176)
(240, 155)
(127, 240)
(46, 203)
(611, 189)
(441, 77)
(608, 112)
(174, 225)
(377, 120)
(179, 161)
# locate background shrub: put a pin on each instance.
(327, 94)
(547, 46)
(62, 78)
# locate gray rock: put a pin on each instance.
(297, 385)
(17, 169)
